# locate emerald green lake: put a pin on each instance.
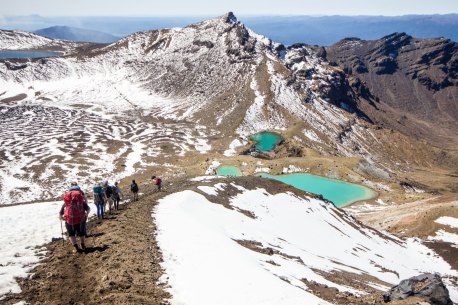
(228, 171)
(266, 140)
(339, 192)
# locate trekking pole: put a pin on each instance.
(62, 232)
(89, 231)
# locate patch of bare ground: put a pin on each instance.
(120, 265)
(356, 281)
(413, 219)
(447, 251)
(374, 297)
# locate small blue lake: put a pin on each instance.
(228, 171)
(24, 54)
(339, 192)
(266, 140)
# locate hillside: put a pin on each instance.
(193, 91)
(178, 103)
(227, 241)
(414, 80)
(20, 40)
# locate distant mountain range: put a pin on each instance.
(328, 30)
(76, 34)
(324, 30)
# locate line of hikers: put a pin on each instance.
(104, 194)
(75, 210)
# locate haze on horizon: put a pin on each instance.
(145, 8)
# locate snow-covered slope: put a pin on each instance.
(212, 82)
(20, 40)
(26, 229)
(230, 243)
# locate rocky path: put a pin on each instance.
(120, 266)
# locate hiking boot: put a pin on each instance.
(83, 247)
(76, 249)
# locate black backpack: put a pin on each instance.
(134, 187)
(109, 191)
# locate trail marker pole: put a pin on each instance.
(62, 232)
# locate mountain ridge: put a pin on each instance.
(226, 82)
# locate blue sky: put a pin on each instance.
(215, 7)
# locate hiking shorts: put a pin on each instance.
(78, 229)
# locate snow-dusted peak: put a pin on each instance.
(17, 40)
(230, 18)
(20, 40)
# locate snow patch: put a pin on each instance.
(449, 221)
(233, 146)
(202, 256)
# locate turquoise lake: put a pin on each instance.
(228, 171)
(339, 192)
(266, 140)
(21, 54)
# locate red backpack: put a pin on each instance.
(74, 207)
(158, 181)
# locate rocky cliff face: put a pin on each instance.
(414, 81)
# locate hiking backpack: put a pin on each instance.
(74, 207)
(115, 191)
(109, 191)
(134, 187)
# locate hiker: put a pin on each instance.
(158, 183)
(117, 195)
(75, 212)
(109, 194)
(75, 187)
(99, 199)
(134, 190)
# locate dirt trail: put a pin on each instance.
(120, 266)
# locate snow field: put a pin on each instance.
(27, 227)
(205, 264)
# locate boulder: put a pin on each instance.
(426, 286)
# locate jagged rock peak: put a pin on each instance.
(397, 35)
(230, 18)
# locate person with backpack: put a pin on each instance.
(75, 187)
(117, 195)
(75, 212)
(99, 199)
(158, 183)
(108, 194)
(134, 190)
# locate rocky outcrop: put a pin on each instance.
(405, 76)
(426, 286)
